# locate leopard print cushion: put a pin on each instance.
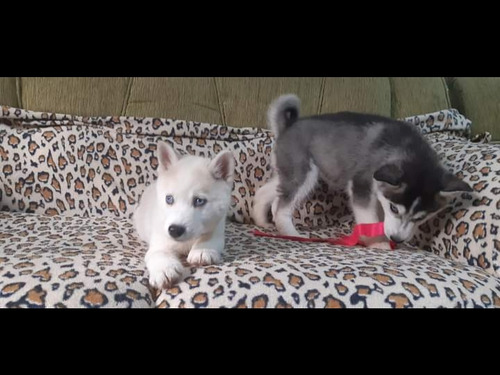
(450, 121)
(55, 164)
(93, 170)
(71, 261)
(467, 230)
(261, 272)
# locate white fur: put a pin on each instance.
(367, 214)
(283, 216)
(266, 196)
(203, 240)
(364, 214)
(283, 220)
(398, 226)
(263, 199)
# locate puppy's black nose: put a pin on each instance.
(396, 239)
(176, 231)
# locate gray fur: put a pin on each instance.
(361, 148)
(283, 112)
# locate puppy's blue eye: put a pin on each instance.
(169, 199)
(394, 209)
(198, 202)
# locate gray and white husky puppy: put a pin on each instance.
(388, 169)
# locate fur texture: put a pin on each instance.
(388, 169)
(183, 213)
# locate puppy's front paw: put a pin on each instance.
(164, 272)
(268, 226)
(203, 257)
(378, 242)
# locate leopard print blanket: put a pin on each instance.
(69, 185)
(71, 261)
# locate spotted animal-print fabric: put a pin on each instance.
(71, 261)
(262, 272)
(62, 164)
(55, 164)
(61, 167)
(468, 230)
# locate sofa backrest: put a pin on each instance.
(244, 101)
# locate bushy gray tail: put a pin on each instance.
(282, 113)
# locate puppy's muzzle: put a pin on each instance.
(396, 239)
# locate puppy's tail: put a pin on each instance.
(282, 113)
(264, 200)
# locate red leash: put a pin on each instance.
(367, 230)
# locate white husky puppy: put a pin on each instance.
(183, 213)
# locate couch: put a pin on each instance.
(76, 154)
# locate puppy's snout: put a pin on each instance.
(396, 239)
(176, 231)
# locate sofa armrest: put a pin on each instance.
(467, 231)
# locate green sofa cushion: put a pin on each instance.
(243, 101)
(8, 92)
(191, 98)
(415, 95)
(478, 98)
(86, 96)
(365, 94)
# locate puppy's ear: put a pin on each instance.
(166, 155)
(452, 186)
(389, 175)
(222, 166)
